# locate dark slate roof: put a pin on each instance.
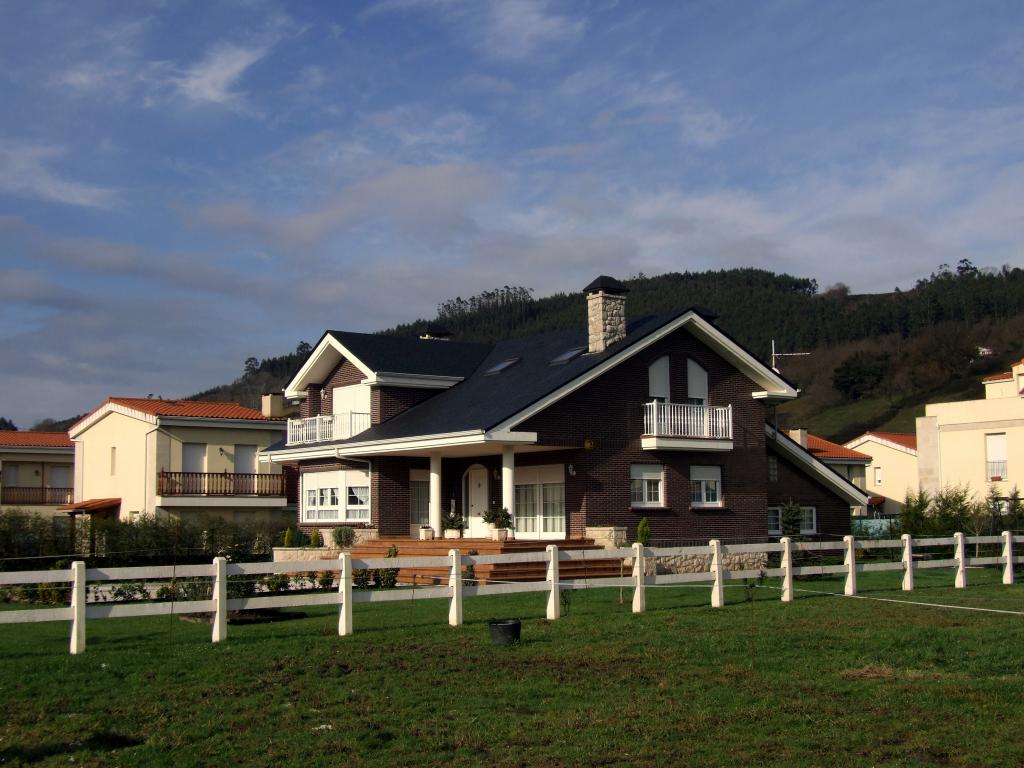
(408, 354)
(482, 401)
(606, 284)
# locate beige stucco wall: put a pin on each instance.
(954, 438)
(899, 472)
(220, 446)
(997, 389)
(132, 467)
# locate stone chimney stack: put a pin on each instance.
(606, 313)
(799, 436)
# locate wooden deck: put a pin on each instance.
(598, 567)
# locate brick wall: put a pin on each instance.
(310, 466)
(388, 402)
(344, 374)
(833, 512)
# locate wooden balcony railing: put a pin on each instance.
(219, 484)
(685, 420)
(41, 496)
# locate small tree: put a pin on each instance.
(791, 518)
(288, 537)
(387, 578)
(452, 521)
(314, 538)
(343, 536)
(498, 517)
(643, 532)
(1014, 517)
(914, 518)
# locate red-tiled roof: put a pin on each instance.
(35, 439)
(90, 505)
(998, 377)
(825, 450)
(905, 439)
(190, 408)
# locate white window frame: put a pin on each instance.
(326, 497)
(539, 501)
(706, 477)
(878, 474)
(804, 531)
(647, 485)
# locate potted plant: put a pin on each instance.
(426, 533)
(500, 521)
(452, 524)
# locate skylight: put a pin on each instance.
(498, 368)
(568, 355)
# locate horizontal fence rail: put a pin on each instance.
(462, 584)
(219, 484)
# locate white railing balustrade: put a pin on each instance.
(686, 420)
(995, 470)
(322, 429)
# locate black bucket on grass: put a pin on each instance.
(505, 631)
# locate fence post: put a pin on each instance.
(77, 607)
(554, 605)
(220, 599)
(908, 562)
(639, 600)
(850, 561)
(455, 582)
(787, 569)
(345, 594)
(961, 561)
(1008, 556)
(717, 590)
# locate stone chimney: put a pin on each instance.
(799, 436)
(606, 313)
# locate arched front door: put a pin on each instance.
(474, 502)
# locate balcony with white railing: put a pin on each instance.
(995, 470)
(685, 426)
(322, 429)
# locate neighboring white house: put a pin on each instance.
(892, 471)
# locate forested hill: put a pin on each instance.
(875, 358)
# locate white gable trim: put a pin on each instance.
(321, 362)
(775, 386)
(817, 468)
(412, 380)
(105, 410)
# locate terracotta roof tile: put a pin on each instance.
(998, 377)
(190, 408)
(90, 505)
(824, 450)
(36, 439)
(906, 439)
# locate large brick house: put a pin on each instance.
(664, 417)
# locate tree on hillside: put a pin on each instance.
(251, 366)
(860, 374)
(7, 425)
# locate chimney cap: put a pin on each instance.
(606, 284)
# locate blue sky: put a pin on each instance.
(183, 185)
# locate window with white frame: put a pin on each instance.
(342, 496)
(808, 520)
(706, 486)
(995, 456)
(878, 475)
(646, 485)
(539, 500)
(419, 497)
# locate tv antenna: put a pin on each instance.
(784, 354)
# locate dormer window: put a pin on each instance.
(499, 367)
(568, 355)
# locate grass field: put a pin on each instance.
(823, 681)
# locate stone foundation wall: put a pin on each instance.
(607, 536)
(330, 552)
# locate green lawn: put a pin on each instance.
(823, 681)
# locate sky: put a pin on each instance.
(184, 185)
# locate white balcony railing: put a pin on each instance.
(685, 420)
(322, 429)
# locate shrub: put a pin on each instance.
(343, 536)
(325, 579)
(643, 532)
(361, 578)
(276, 582)
(387, 578)
(452, 521)
(791, 518)
(498, 517)
(314, 538)
(288, 537)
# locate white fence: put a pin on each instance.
(456, 590)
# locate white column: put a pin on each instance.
(639, 601)
(508, 472)
(345, 595)
(787, 569)
(455, 583)
(77, 607)
(1008, 557)
(220, 599)
(908, 562)
(717, 590)
(961, 561)
(850, 561)
(554, 604)
(435, 494)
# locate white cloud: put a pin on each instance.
(25, 172)
(213, 80)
